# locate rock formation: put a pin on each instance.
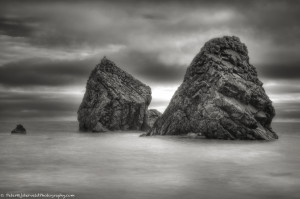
(152, 116)
(114, 100)
(221, 97)
(19, 129)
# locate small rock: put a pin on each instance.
(151, 116)
(19, 129)
(191, 134)
(99, 128)
(194, 135)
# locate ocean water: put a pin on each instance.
(55, 158)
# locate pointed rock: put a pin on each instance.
(221, 97)
(114, 100)
(19, 130)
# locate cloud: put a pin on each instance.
(93, 23)
(282, 86)
(70, 25)
(45, 72)
(16, 27)
(280, 71)
(148, 66)
(52, 44)
(287, 111)
(38, 105)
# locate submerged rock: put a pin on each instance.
(221, 97)
(19, 129)
(114, 100)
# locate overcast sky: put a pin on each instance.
(48, 48)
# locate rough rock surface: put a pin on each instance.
(221, 97)
(19, 129)
(114, 100)
(152, 116)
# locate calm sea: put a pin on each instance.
(55, 158)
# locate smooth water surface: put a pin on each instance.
(55, 158)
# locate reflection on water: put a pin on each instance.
(55, 158)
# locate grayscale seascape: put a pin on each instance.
(148, 99)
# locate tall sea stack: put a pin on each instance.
(221, 97)
(113, 100)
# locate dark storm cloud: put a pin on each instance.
(97, 23)
(147, 66)
(35, 101)
(66, 24)
(101, 22)
(280, 71)
(153, 40)
(16, 27)
(58, 24)
(277, 19)
(45, 72)
(37, 105)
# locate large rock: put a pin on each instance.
(221, 97)
(19, 129)
(114, 100)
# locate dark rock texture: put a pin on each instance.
(221, 97)
(114, 100)
(19, 129)
(152, 116)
